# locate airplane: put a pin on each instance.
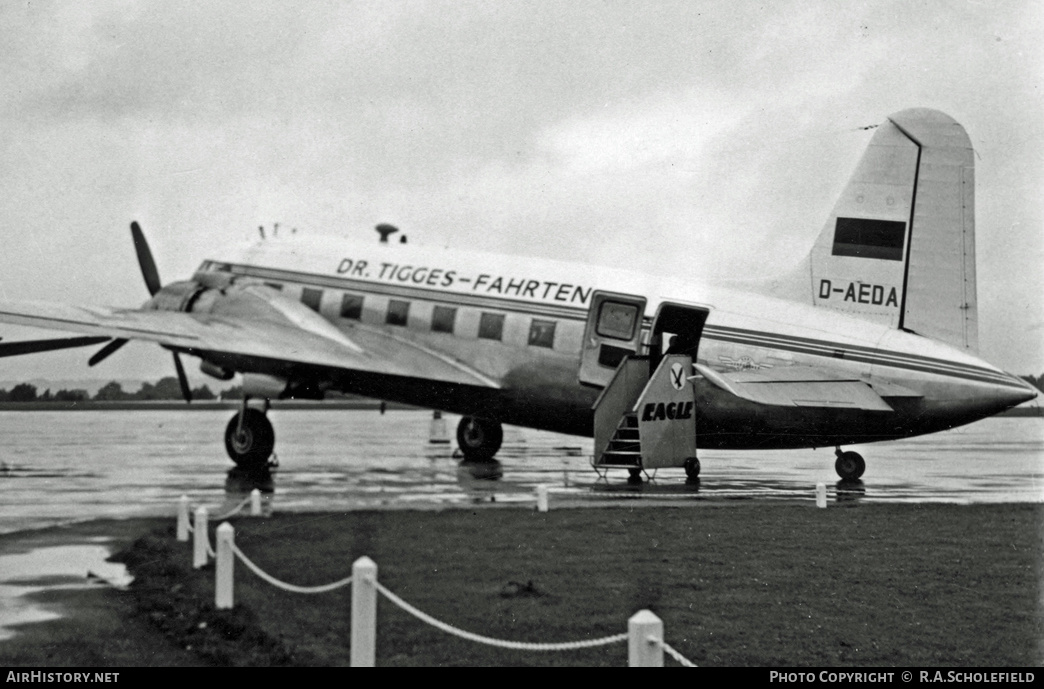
(874, 336)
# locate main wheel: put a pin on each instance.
(251, 447)
(692, 468)
(479, 439)
(849, 465)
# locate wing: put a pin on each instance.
(248, 339)
(802, 386)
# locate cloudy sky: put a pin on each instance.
(693, 138)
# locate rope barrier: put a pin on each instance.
(235, 510)
(366, 570)
(282, 584)
(685, 662)
(518, 645)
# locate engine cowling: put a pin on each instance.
(223, 294)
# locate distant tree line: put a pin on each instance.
(164, 389)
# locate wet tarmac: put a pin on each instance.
(62, 466)
(66, 566)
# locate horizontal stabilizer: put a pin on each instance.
(803, 387)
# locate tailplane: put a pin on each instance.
(899, 245)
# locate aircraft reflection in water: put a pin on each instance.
(873, 337)
(140, 463)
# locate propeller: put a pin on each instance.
(105, 351)
(148, 266)
(186, 392)
(32, 346)
(154, 285)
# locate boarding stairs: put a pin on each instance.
(646, 420)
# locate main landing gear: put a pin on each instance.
(479, 439)
(849, 465)
(249, 437)
(692, 469)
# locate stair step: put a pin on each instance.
(620, 459)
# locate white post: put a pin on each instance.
(183, 519)
(364, 612)
(644, 644)
(820, 495)
(438, 434)
(199, 538)
(542, 498)
(255, 503)
(225, 563)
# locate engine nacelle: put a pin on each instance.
(273, 387)
(261, 385)
(216, 371)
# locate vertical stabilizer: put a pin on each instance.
(899, 246)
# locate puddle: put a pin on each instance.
(49, 569)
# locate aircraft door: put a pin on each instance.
(677, 329)
(613, 331)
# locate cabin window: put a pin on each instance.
(617, 320)
(442, 318)
(311, 298)
(398, 311)
(223, 267)
(274, 285)
(491, 326)
(351, 306)
(542, 333)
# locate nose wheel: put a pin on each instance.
(249, 438)
(849, 465)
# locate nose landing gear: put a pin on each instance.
(849, 465)
(249, 437)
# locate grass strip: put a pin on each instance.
(737, 584)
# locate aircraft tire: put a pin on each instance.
(692, 468)
(634, 475)
(849, 466)
(254, 446)
(479, 439)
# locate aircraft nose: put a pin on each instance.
(1024, 393)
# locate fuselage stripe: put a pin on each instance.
(741, 336)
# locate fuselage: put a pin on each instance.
(519, 323)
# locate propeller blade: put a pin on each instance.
(33, 346)
(148, 266)
(105, 351)
(186, 392)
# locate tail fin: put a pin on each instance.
(899, 246)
